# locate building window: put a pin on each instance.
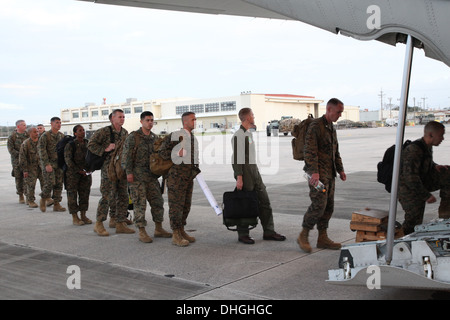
(85, 114)
(212, 107)
(94, 113)
(105, 112)
(138, 109)
(228, 106)
(197, 108)
(75, 115)
(181, 109)
(126, 110)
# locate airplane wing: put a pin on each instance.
(384, 20)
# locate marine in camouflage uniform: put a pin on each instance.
(322, 161)
(29, 163)
(78, 180)
(52, 173)
(15, 140)
(248, 178)
(419, 176)
(143, 184)
(112, 191)
(182, 147)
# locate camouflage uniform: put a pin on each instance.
(111, 191)
(180, 179)
(145, 187)
(418, 177)
(15, 140)
(244, 164)
(29, 162)
(321, 156)
(78, 186)
(53, 181)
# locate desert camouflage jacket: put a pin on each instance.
(28, 156)
(322, 150)
(136, 154)
(101, 139)
(47, 148)
(14, 142)
(416, 168)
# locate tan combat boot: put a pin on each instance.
(58, 208)
(444, 209)
(303, 242)
(100, 229)
(76, 221)
(85, 219)
(121, 227)
(160, 232)
(186, 236)
(42, 205)
(178, 240)
(21, 198)
(143, 236)
(49, 202)
(32, 204)
(324, 242)
(112, 222)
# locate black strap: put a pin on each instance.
(112, 134)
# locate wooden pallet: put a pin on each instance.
(370, 224)
(362, 236)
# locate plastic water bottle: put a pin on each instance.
(320, 186)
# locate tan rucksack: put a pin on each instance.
(299, 134)
(158, 165)
(115, 170)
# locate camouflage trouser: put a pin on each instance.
(414, 211)
(53, 181)
(78, 189)
(30, 183)
(18, 176)
(114, 193)
(321, 209)
(141, 192)
(112, 208)
(414, 207)
(180, 189)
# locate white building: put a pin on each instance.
(211, 113)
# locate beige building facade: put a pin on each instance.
(212, 113)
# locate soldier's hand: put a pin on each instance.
(314, 180)
(111, 147)
(49, 168)
(130, 178)
(182, 152)
(25, 174)
(239, 183)
(343, 176)
(431, 199)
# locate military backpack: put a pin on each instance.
(60, 146)
(385, 167)
(299, 134)
(115, 169)
(158, 165)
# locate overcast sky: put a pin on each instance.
(58, 54)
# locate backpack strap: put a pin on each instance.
(137, 141)
(111, 137)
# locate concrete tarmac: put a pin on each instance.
(39, 251)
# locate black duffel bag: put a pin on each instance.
(240, 207)
(93, 161)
